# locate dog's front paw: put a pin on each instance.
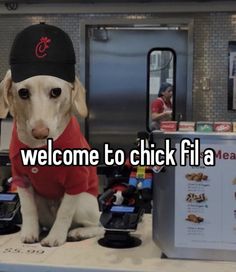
(53, 240)
(29, 236)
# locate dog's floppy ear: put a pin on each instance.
(79, 99)
(5, 87)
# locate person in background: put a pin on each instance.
(161, 108)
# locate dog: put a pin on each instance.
(42, 107)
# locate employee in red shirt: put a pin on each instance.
(161, 108)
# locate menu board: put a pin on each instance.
(205, 201)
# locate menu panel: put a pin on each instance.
(205, 201)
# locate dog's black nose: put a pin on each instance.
(40, 132)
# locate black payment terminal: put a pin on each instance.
(124, 218)
(10, 216)
(118, 222)
(9, 206)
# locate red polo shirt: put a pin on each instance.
(53, 181)
(159, 105)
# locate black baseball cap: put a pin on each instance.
(42, 49)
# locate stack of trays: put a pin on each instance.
(187, 126)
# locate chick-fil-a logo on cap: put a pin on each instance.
(41, 47)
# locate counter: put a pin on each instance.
(87, 255)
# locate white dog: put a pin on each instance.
(42, 107)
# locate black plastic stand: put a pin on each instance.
(119, 239)
(163, 256)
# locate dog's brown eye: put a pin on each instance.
(24, 93)
(54, 93)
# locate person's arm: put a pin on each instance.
(159, 116)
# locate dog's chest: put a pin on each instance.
(48, 181)
(53, 182)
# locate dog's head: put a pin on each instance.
(41, 105)
(41, 90)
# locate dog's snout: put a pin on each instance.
(40, 132)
